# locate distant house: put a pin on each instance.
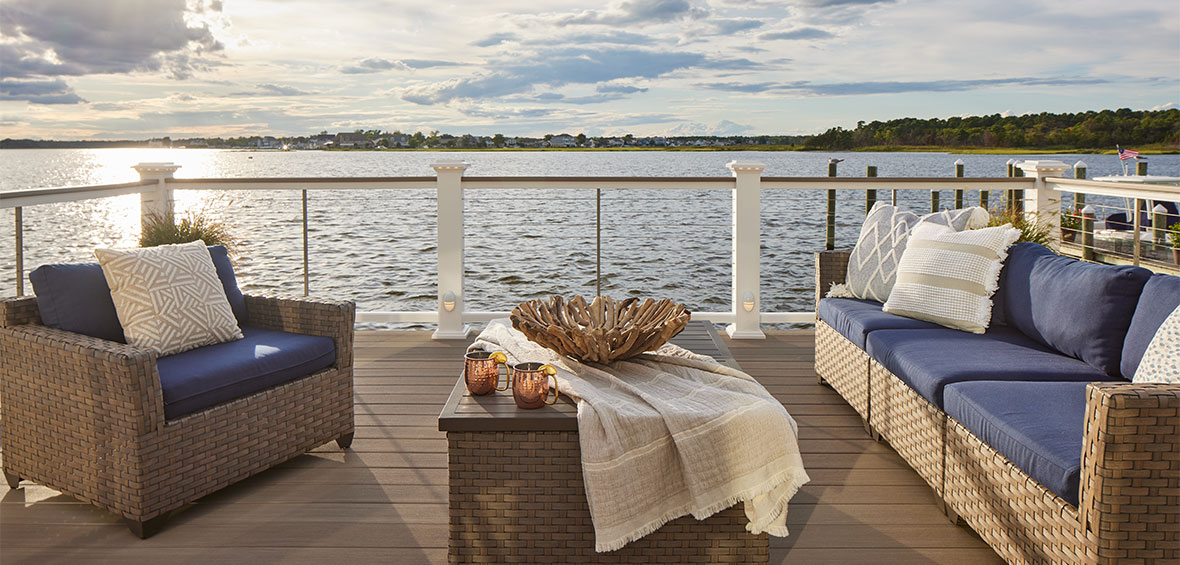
(563, 140)
(397, 140)
(510, 142)
(353, 140)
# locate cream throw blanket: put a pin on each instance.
(671, 433)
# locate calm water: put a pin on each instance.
(378, 247)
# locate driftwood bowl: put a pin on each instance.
(604, 330)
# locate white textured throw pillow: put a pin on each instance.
(872, 267)
(1161, 361)
(949, 277)
(168, 298)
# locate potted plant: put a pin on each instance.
(1174, 239)
(1071, 224)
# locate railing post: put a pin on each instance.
(1158, 231)
(1018, 194)
(450, 250)
(959, 193)
(871, 193)
(1045, 203)
(156, 204)
(1010, 194)
(830, 221)
(1079, 172)
(747, 247)
(18, 219)
(1088, 233)
(1141, 168)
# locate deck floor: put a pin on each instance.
(386, 499)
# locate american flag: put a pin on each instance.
(1125, 154)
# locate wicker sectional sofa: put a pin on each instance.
(114, 425)
(1050, 456)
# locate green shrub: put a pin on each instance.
(196, 225)
(1174, 235)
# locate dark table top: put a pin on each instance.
(497, 412)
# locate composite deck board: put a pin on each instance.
(385, 499)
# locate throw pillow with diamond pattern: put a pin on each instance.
(872, 267)
(168, 298)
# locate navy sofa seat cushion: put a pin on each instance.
(854, 318)
(215, 374)
(929, 360)
(1036, 426)
(75, 296)
(1079, 309)
(1160, 297)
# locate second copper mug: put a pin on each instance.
(530, 384)
(481, 372)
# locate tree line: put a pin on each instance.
(1083, 130)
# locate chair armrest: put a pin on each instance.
(79, 383)
(309, 316)
(830, 267)
(1130, 482)
(16, 311)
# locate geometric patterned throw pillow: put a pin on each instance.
(1161, 361)
(949, 277)
(168, 298)
(872, 266)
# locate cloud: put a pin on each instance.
(377, 65)
(273, 90)
(798, 33)
(1166, 106)
(479, 111)
(556, 68)
(724, 127)
(68, 38)
(620, 88)
(494, 39)
(45, 91)
(614, 36)
(634, 12)
(894, 87)
(737, 25)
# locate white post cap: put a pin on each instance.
(1080, 164)
(450, 165)
(1088, 210)
(745, 166)
(1159, 209)
(958, 161)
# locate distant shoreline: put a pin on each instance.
(786, 148)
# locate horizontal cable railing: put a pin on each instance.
(1038, 193)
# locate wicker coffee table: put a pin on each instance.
(516, 490)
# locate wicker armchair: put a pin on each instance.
(86, 416)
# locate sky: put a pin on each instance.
(133, 69)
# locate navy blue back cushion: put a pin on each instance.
(1079, 309)
(1160, 297)
(75, 296)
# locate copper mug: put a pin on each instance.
(530, 384)
(481, 372)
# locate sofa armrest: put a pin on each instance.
(830, 267)
(1130, 482)
(16, 311)
(309, 316)
(79, 384)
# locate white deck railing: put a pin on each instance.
(1041, 187)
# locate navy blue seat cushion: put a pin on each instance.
(929, 360)
(1079, 309)
(215, 374)
(75, 296)
(1160, 297)
(854, 318)
(1036, 426)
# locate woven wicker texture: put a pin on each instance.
(913, 426)
(85, 416)
(519, 497)
(844, 366)
(1130, 496)
(1014, 514)
(830, 267)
